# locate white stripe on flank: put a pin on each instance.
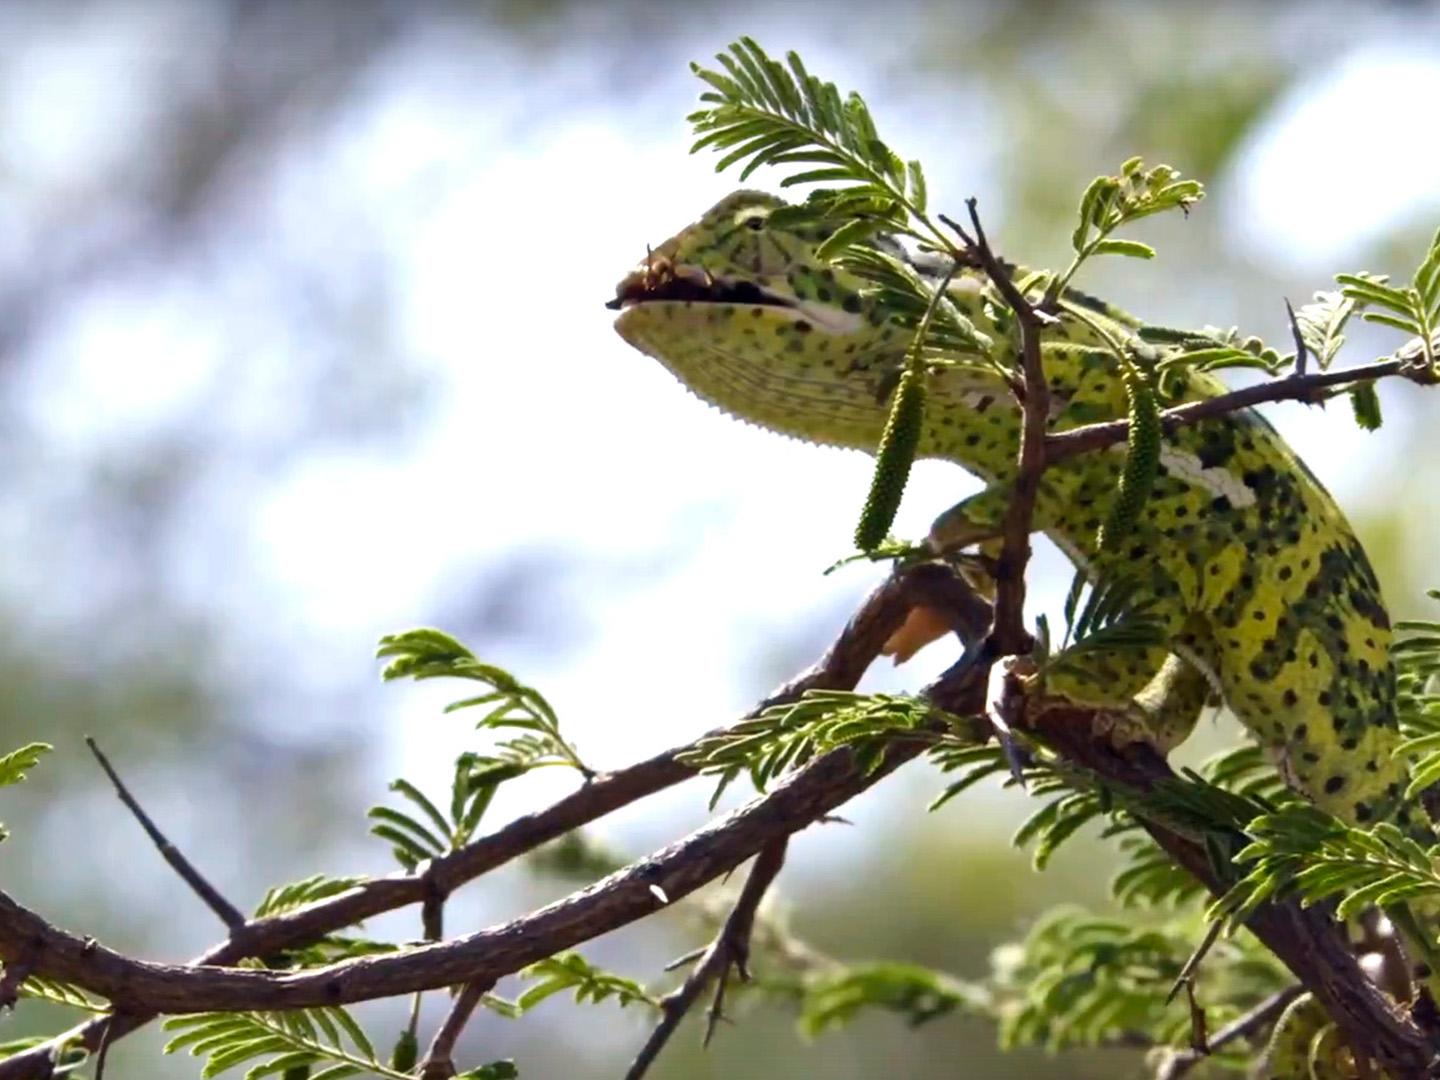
(1217, 479)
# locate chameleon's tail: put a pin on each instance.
(1306, 1045)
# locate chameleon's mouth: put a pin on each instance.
(661, 280)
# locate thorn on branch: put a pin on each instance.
(1302, 351)
(227, 912)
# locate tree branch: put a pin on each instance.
(1082, 440)
(1306, 940)
(840, 667)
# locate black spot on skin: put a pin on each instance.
(1362, 812)
(802, 327)
(1220, 505)
(851, 303)
(1334, 784)
(1290, 699)
(1214, 453)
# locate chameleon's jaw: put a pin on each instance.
(662, 282)
(763, 358)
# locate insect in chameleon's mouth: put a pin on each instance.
(663, 281)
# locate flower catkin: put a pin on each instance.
(893, 458)
(1142, 460)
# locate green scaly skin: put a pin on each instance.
(1265, 593)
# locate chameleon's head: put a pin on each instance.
(742, 311)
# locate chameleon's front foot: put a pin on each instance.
(973, 521)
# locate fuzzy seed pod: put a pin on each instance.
(893, 458)
(1142, 461)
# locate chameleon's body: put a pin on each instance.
(1264, 592)
(1251, 567)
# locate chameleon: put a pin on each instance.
(1263, 594)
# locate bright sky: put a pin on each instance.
(695, 550)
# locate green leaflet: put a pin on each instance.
(1366, 404)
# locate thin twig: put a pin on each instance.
(1008, 636)
(227, 912)
(1187, 973)
(624, 897)
(1179, 1063)
(1060, 446)
(731, 948)
(439, 1062)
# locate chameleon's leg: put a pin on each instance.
(1306, 1045)
(1147, 694)
(971, 521)
(1319, 696)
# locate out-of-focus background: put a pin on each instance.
(302, 342)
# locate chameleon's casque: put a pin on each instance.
(1259, 581)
